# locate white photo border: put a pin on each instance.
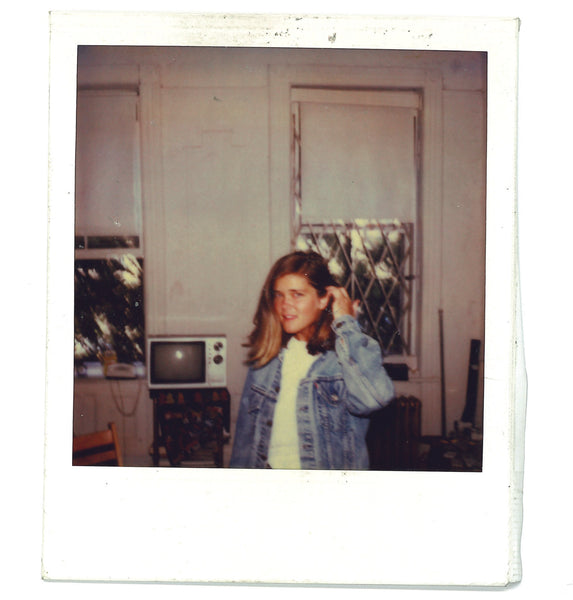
(346, 528)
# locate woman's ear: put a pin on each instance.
(324, 301)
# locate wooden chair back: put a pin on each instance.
(99, 448)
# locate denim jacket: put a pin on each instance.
(334, 400)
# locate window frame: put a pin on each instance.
(424, 366)
(408, 99)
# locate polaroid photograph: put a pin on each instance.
(283, 316)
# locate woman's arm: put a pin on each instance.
(368, 384)
(242, 444)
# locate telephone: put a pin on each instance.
(120, 371)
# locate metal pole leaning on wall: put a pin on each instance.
(442, 372)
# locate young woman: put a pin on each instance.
(314, 377)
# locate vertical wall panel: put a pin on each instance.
(216, 208)
(463, 239)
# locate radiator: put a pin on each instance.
(394, 435)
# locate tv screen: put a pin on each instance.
(177, 362)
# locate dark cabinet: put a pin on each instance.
(190, 427)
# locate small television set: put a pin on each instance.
(186, 362)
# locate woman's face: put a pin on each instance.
(297, 305)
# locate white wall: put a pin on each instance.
(209, 173)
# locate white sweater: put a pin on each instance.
(283, 447)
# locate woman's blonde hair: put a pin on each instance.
(268, 337)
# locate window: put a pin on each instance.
(108, 275)
(108, 315)
(355, 173)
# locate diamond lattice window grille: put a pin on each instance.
(373, 260)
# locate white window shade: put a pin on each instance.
(358, 156)
(108, 199)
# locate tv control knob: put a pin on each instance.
(218, 346)
(218, 359)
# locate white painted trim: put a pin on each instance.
(152, 199)
(396, 98)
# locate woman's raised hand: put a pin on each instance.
(342, 304)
